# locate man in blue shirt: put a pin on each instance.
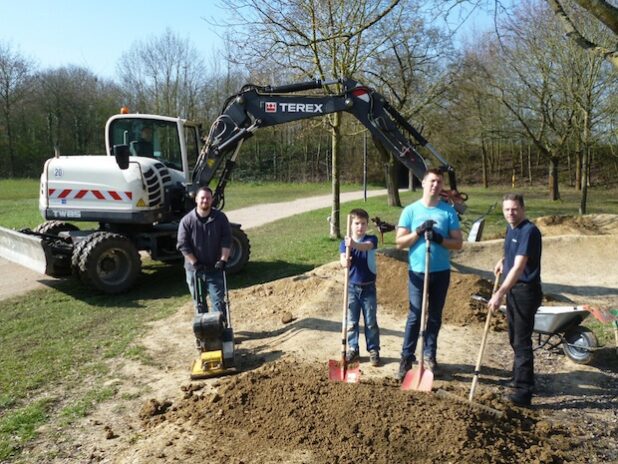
(429, 214)
(521, 267)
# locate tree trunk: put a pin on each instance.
(583, 198)
(390, 175)
(585, 166)
(335, 209)
(11, 147)
(554, 191)
(529, 164)
(484, 163)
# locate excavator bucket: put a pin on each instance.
(23, 249)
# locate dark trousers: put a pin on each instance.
(522, 302)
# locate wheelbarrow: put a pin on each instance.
(560, 325)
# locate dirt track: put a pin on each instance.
(281, 408)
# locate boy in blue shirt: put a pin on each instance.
(361, 287)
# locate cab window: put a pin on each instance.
(149, 138)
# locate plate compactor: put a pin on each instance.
(214, 335)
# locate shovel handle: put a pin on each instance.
(425, 303)
(477, 367)
(346, 279)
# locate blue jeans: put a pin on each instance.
(438, 286)
(214, 288)
(363, 298)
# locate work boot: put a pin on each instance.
(519, 398)
(352, 356)
(405, 364)
(374, 358)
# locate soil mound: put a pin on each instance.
(589, 224)
(291, 410)
(459, 309)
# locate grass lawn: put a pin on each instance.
(61, 336)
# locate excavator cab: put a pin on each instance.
(173, 142)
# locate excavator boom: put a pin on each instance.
(255, 107)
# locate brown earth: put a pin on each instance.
(281, 407)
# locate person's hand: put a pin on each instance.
(494, 303)
(434, 236)
(198, 267)
(425, 226)
(220, 265)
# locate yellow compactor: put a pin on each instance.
(214, 335)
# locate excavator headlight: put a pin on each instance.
(348, 103)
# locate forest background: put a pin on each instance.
(532, 100)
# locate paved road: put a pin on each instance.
(15, 279)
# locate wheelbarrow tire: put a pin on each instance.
(580, 343)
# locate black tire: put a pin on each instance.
(55, 227)
(239, 254)
(580, 344)
(108, 262)
(60, 266)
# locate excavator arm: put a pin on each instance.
(256, 107)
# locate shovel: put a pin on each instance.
(421, 379)
(477, 368)
(341, 371)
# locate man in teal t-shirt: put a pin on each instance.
(439, 220)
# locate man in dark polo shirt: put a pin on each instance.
(521, 268)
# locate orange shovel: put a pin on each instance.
(341, 371)
(421, 379)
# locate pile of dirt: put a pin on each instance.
(291, 410)
(459, 309)
(591, 224)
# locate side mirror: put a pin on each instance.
(122, 153)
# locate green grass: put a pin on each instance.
(55, 338)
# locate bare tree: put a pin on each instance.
(312, 38)
(568, 13)
(531, 84)
(410, 70)
(15, 84)
(164, 75)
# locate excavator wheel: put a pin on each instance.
(61, 266)
(241, 249)
(108, 262)
(55, 227)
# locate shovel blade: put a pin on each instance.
(338, 373)
(418, 380)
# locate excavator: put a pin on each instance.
(140, 189)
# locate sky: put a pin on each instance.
(94, 34)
